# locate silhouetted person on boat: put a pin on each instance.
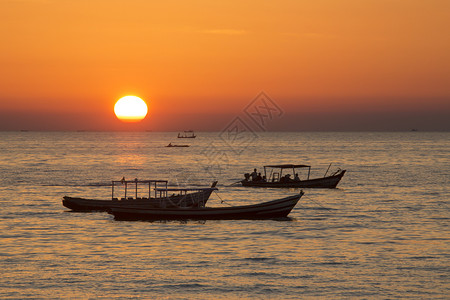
(258, 177)
(254, 175)
(296, 178)
(286, 178)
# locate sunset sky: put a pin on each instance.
(329, 65)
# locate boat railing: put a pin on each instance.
(182, 195)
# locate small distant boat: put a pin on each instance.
(170, 145)
(181, 197)
(188, 134)
(277, 180)
(267, 210)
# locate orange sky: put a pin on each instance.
(211, 58)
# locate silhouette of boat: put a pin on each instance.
(188, 134)
(267, 210)
(277, 180)
(170, 145)
(181, 197)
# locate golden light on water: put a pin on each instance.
(130, 109)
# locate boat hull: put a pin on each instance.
(325, 182)
(267, 210)
(189, 200)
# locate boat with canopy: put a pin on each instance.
(188, 134)
(157, 195)
(280, 176)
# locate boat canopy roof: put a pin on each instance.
(287, 166)
(139, 181)
(186, 189)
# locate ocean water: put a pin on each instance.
(383, 233)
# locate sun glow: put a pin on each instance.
(130, 109)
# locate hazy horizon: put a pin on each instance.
(203, 122)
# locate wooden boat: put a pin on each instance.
(267, 210)
(180, 197)
(188, 134)
(170, 145)
(277, 180)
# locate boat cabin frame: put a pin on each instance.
(276, 176)
(156, 184)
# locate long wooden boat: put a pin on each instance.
(180, 197)
(277, 180)
(267, 210)
(170, 145)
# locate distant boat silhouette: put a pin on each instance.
(170, 145)
(188, 134)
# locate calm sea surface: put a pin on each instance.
(383, 233)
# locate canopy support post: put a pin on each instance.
(136, 182)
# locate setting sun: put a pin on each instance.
(130, 109)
